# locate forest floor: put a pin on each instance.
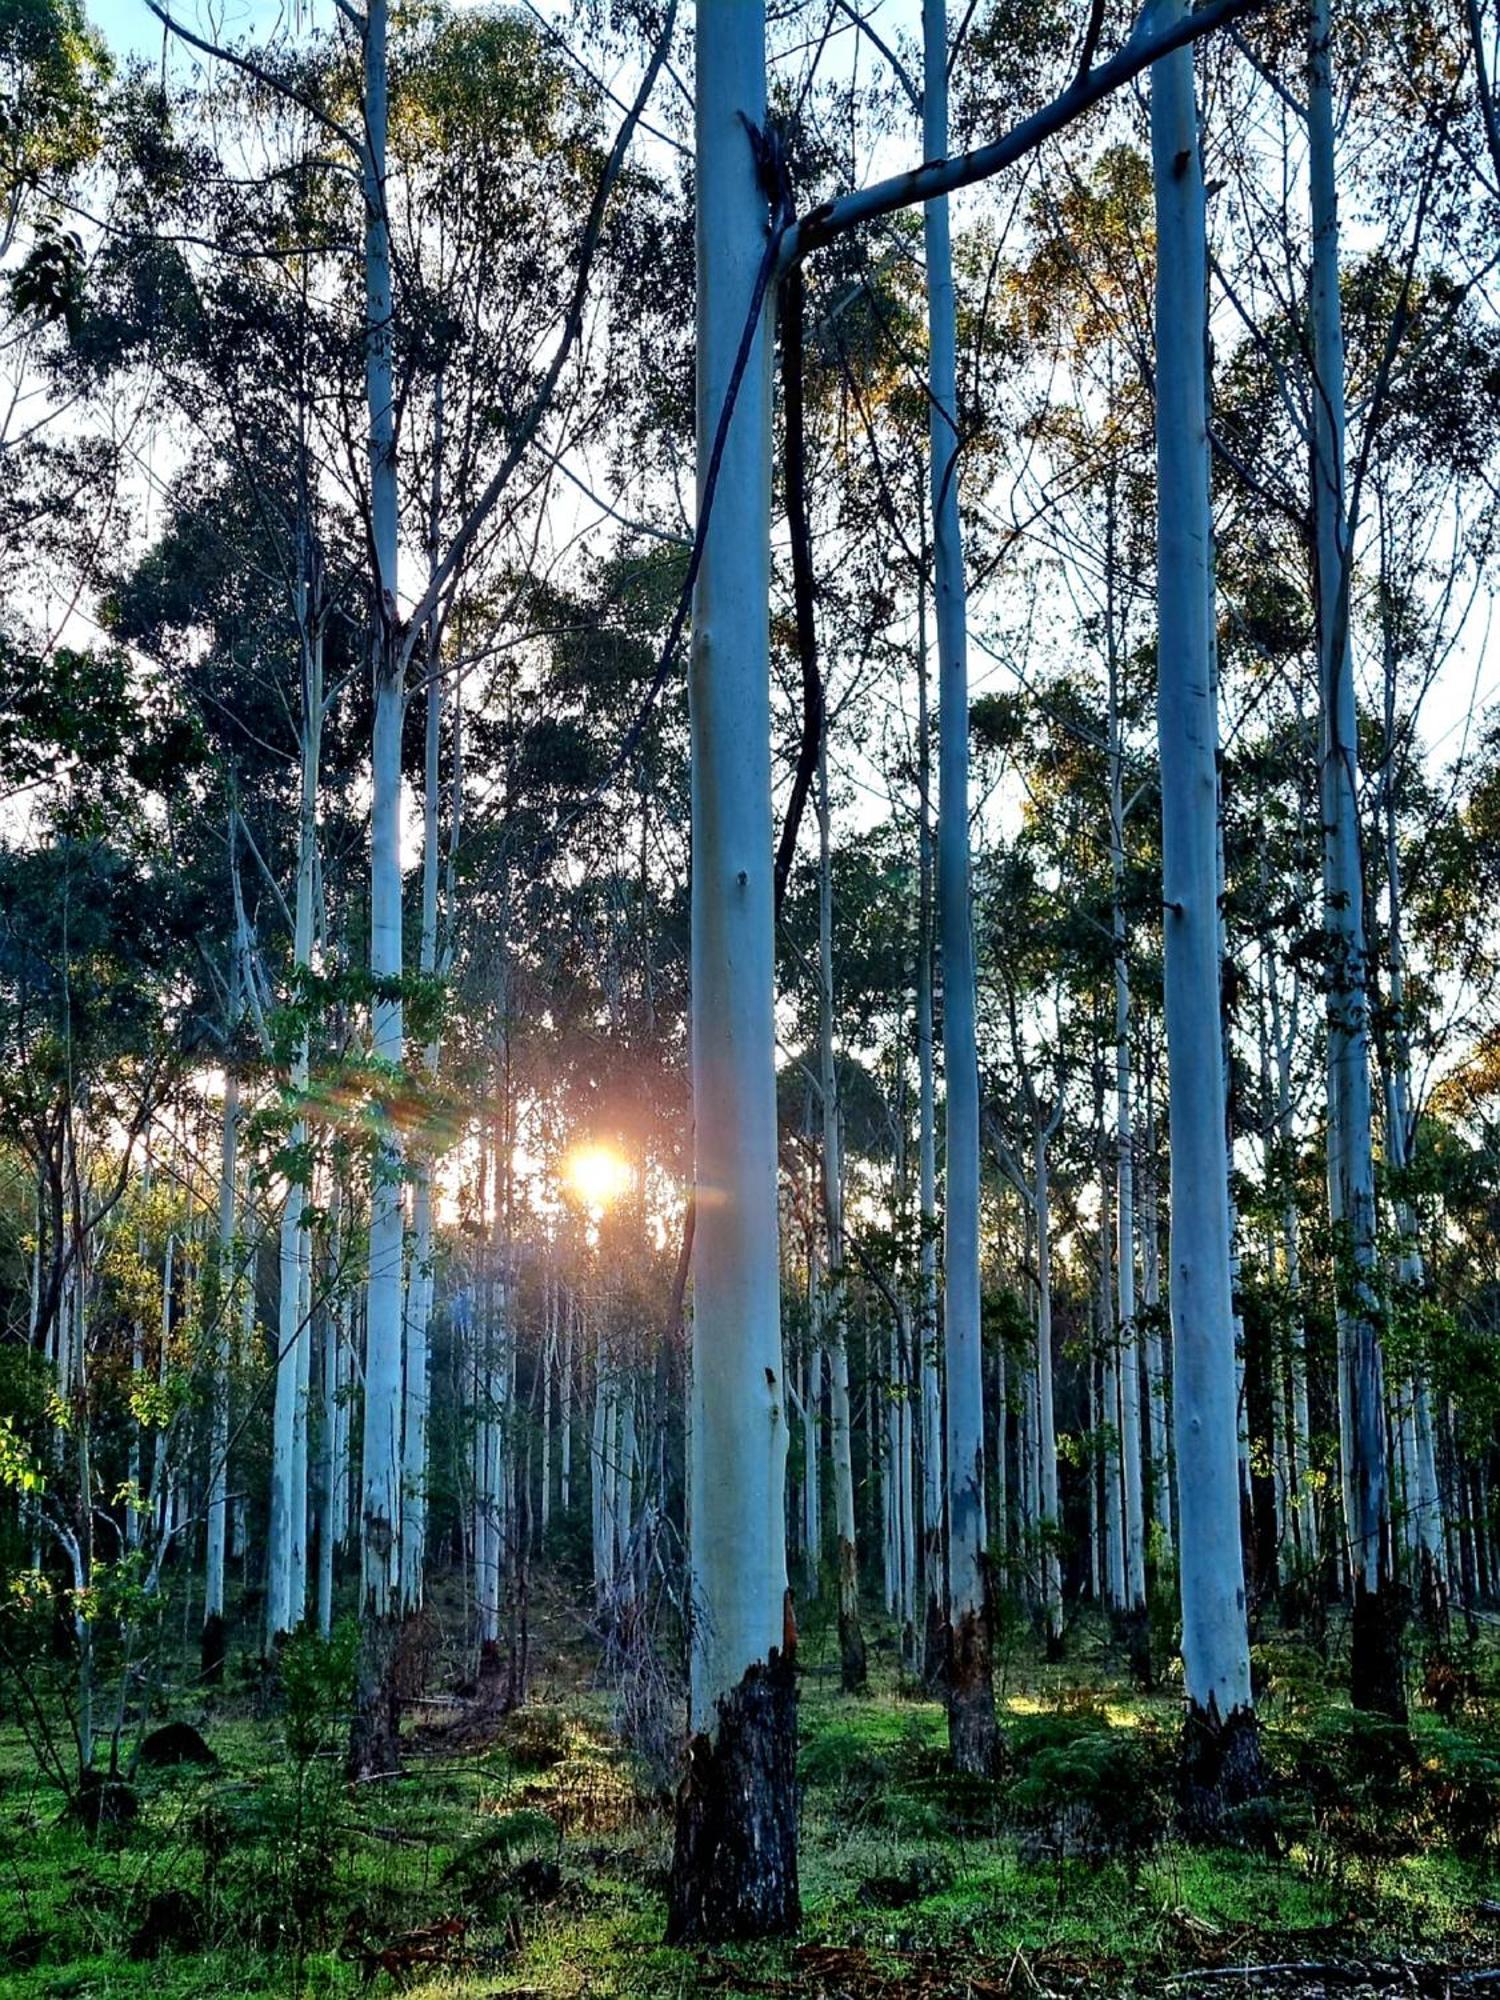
(527, 1855)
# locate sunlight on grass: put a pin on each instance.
(536, 1841)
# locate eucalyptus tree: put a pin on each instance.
(835, 1317)
(1377, 1678)
(969, 1685)
(735, 1867)
(1221, 1752)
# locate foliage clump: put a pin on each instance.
(1086, 1790)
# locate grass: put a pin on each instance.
(531, 1861)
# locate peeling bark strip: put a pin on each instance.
(1219, 1768)
(734, 1867)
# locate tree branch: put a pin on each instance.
(939, 177)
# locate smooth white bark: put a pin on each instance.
(738, 1422)
(381, 1458)
(833, 1327)
(963, 1353)
(1129, 1332)
(1215, 1641)
(287, 1573)
(419, 1284)
(218, 1424)
(1049, 1525)
(1351, 1166)
(933, 1484)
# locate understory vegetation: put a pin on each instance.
(529, 1852)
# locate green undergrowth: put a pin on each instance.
(526, 1855)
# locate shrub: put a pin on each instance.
(535, 1738)
(1084, 1789)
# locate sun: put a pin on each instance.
(597, 1175)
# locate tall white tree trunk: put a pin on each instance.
(1424, 1505)
(328, 1531)
(971, 1701)
(565, 1413)
(835, 1343)
(218, 1422)
(906, 1479)
(343, 1360)
(1304, 1496)
(1096, 1552)
(1156, 1374)
(735, 1867)
(375, 1744)
(287, 1557)
(1129, 1332)
(419, 1283)
(71, 1355)
(1221, 1751)
(549, 1368)
(605, 1477)
(1114, 1486)
(812, 1435)
(935, 1583)
(1002, 1487)
(1376, 1671)
(626, 1498)
(1050, 1524)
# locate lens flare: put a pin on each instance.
(597, 1175)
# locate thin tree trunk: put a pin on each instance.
(328, 1384)
(1050, 1523)
(419, 1283)
(375, 1737)
(1377, 1680)
(934, 1576)
(1156, 1374)
(223, 1307)
(835, 1329)
(1129, 1332)
(971, 1700)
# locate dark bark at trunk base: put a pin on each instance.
(375, 1734)
(734, 1864)
(1219, 1768)
(1377, 1678)
(971, 1697)
(418, 1646)
(1053, 1642)
(852, 1667)
(213, 1651)
(491, 1688)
